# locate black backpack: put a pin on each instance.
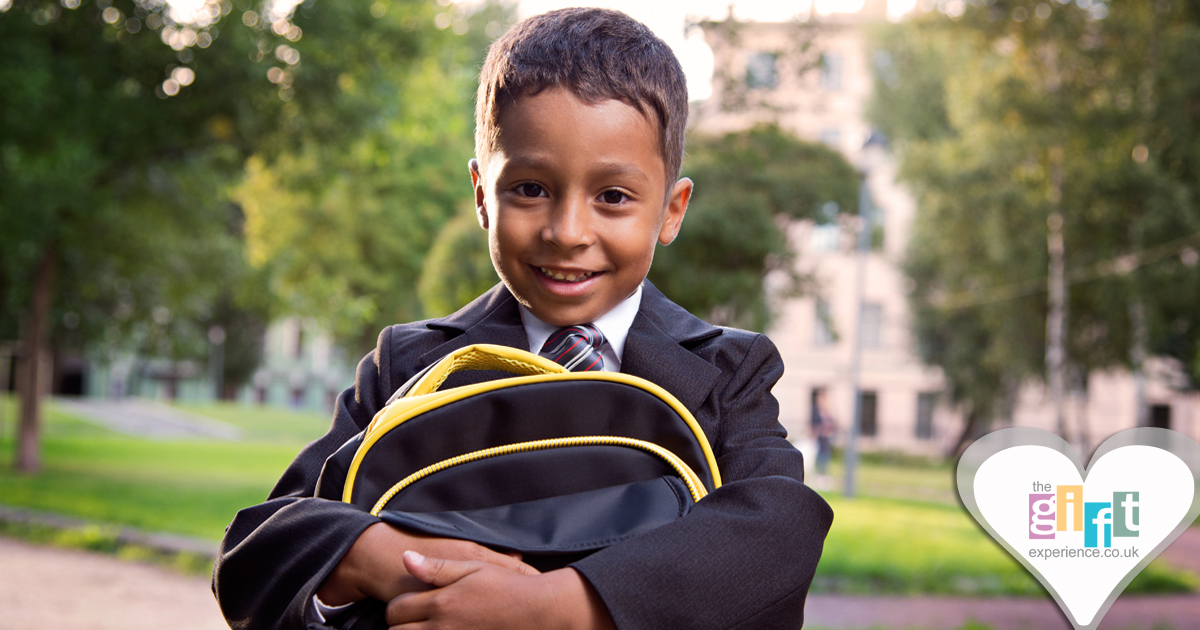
(550, 463)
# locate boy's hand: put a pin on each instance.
(478, 596)
(374, 567)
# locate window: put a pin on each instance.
(830, 136)
(925, 402)
(814, 406)
(299, 351)
(823, 334)
(1160, 416)
(826, 235)
(825, 238)
(868, 426)
(872, 325)
(760, 71)
(831, 71)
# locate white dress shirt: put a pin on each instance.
(614, 325)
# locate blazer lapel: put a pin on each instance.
(657, 349)
(492, 318)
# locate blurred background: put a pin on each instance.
(950, 216)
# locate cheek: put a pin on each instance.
(634, 246)
(499, 249)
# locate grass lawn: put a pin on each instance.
(904, 534)
(933, 482)
(186, 487)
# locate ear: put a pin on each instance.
(677, 205)
(477, 185)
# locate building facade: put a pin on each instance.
(814, 78)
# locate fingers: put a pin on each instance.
(410, 611)
(523, 569)
(466, 550)
(437, 571)
(519, 565)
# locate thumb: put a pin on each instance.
(437, 571)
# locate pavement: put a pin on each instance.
(56, 589)
(1149, 612)
(146, 418)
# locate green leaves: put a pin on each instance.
(749, 185)
(1016, 85)
(343, 210)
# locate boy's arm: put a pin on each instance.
(374, 566)
(745, 555)
(276, 555)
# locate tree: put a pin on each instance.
(122, 125)
(98, 163)
(749, 185)
(457, 269)
(1058, 120)
(346, 229)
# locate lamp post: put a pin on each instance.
(875, 143)
(216, 364)
(860, 282)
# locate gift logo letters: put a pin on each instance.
(1096, 520)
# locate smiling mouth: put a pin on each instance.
(566, 277)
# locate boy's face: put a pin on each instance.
(573, 201)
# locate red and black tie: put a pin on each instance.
(576, 348)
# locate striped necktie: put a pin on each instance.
(576, 348)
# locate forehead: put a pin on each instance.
(559, 127)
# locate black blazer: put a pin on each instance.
(743, 558)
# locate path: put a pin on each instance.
(60, 589)
(1149, 612)
(147, 418)
(50, 588)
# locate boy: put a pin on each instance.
(579, 140)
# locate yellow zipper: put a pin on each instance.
(695, 486)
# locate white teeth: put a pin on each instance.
(570, 277)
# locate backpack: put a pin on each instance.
(549, 463)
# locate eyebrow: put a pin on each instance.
(604, 169)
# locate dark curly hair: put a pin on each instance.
(597, 54)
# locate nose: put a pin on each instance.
(570, 223)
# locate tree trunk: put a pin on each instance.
(1056, 316)
(975, 425)
(1137, 356)
(34, 333)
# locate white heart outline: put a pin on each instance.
(1173, 442)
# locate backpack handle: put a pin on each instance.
(483, 356)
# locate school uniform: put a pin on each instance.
(743, 558)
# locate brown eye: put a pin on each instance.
(612, 196)
(530, 190)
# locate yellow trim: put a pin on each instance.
(484, 356)
(695, 486)
(411, 406)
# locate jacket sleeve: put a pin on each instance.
(745, 555)
(276, 555)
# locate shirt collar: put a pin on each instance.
(614, 325)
